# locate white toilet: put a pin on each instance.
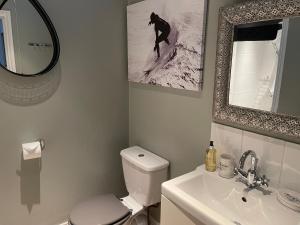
(143, 172)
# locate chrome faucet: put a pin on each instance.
(250, 177)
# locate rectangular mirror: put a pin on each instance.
(257, 68)
(265, 69)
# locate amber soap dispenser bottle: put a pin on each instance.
(211, 158)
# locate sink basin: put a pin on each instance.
(217, 201)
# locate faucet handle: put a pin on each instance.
(254, 162)
(264, 181)
(236, 171)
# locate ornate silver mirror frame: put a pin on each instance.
(271, 124)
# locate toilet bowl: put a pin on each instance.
(143, 172)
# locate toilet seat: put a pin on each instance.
(100, 210)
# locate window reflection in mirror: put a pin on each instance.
(265, 71)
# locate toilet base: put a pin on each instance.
(140, 219)
(137, 211)
(132, 205)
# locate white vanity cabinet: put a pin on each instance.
(173, 215)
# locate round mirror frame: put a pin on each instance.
(56, 46)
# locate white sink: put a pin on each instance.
(217, 201)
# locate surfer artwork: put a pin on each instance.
(166, 43)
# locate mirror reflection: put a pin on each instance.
(265, 66)
(25, 42)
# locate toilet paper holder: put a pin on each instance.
(42, 143)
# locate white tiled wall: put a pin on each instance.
(278, 160)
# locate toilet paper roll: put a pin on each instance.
(32, 150)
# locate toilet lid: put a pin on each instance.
(101, 210)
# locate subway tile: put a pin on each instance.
(227, 140)
(270, 153)
(290, 176)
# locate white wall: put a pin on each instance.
(278, 160)
(253, 73)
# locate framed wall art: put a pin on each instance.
(166, 43)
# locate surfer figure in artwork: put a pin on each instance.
(162, 31)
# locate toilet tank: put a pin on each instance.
(144, 172)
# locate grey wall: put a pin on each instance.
(172, 123)
(289, 91)
(85, 122)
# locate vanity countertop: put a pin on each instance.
(214, 200)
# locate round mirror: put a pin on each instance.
(29, 45)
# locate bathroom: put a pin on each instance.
(85, 112)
